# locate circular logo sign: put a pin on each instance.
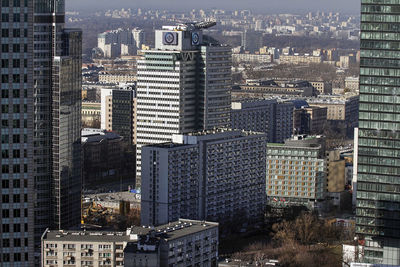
(195, 38)
(169, 38)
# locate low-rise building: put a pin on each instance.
(252, 58)
(214, 175)
(183, 242)
(267, 88)
(322, 87)
(107, 158)
(300, 59)
(341, 109)
(91, 113)
(116, 78)
(352, 83)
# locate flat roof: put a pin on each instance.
(178, 229)
(170, 231)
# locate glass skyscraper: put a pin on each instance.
(378, 181)
(40, 126)
(17, 131)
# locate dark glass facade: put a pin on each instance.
(66, 132)
(16, 112)
(378, 181)
(123, 112)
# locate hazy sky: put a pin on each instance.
(261, 6)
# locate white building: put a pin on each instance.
(183, 86)
(120, 42)
(189, 241)
(212, 175)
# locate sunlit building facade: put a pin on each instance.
(378, 182)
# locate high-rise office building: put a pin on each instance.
(17, 169)
(378, 182)
(183, 85)
(41, 106)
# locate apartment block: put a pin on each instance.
(179, 243)
(211, 175)
(296, 172)
(120, 42)
(270, 116)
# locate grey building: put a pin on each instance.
(17, 133)
(41, 109)
(182, 242)
(273, 117)
(212, 175)
(183, 85)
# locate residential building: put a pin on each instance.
(309, 120)
(252, 58)
(265, 88)
(183, 85)
(297, 59)
(118, 111)
(341, 110)
(186, 242)
(120, 42)
(322, 87)
(213, 175)
(378, 194)
(296, 172)
(269, 116)
(107, 159)
(346, 61)
(352, 83)
(116, 78)
(284, 121)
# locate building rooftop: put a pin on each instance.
(85, 236)
(173, 230)
(91, 135)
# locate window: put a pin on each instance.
(5, 3)
(5, 198)
(4, 33)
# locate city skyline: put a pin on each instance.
(298, 6)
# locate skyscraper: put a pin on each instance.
(57, 85)
(378, 182)
(17, 169)
(183, 85)
(41, 83)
